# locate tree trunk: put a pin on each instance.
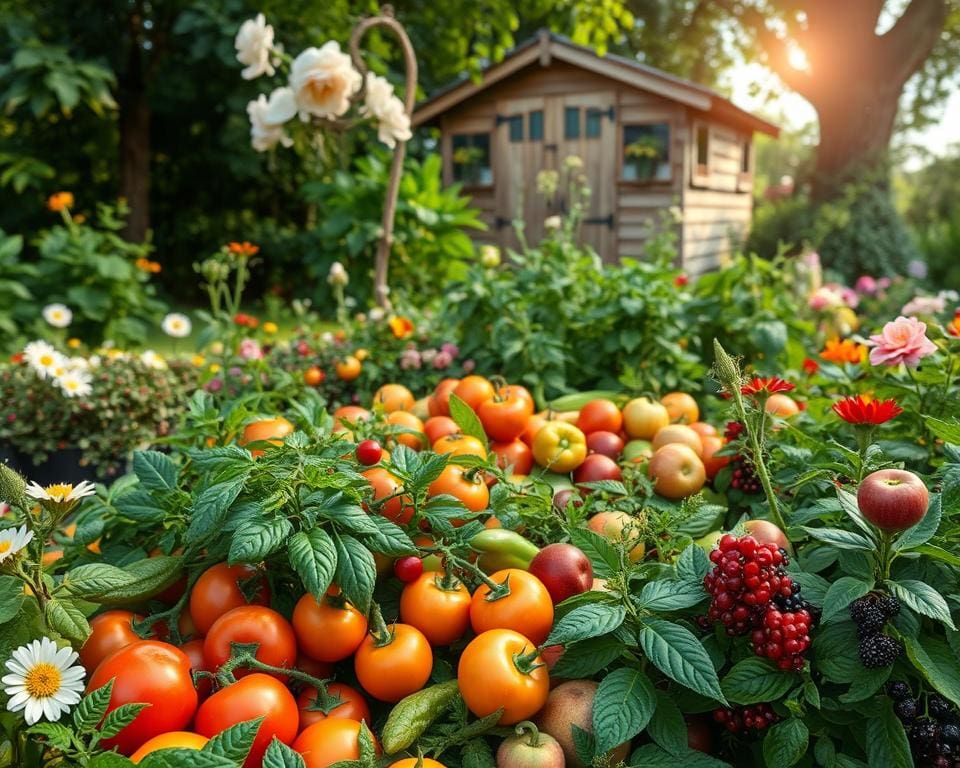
(135, 161)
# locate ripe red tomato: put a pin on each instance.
(194, 651)
(528, 608)
(330, 741)
(514, 454)
(401, 667)
(517, 390)
(329, 630)
(439, 402)
(352, 705)
(500, 668)
(218, 591)
(600, 415)
(147, 672)
(369, 452)
(251, 624)
(439, 426)
(441, 614)
(408, 569)
(605, 443)
(253, 696)
(386, 485)
(504, 416)
(109, 632)
(596, 467)
(464, 484)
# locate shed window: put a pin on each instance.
(471, 159)
(515, 125)
(703, 150)
(571, 123)
(594, 123)
(646, 152)
(536, 125)
(745, 156)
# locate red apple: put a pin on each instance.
(605, 443)
(766, 532)
(564, 496)
(563, 569)
(596, 467)
(893, 499)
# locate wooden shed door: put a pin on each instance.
(540, 133)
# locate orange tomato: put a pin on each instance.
(313, 376)
(352, 705)
(600, 415)
(329, 630)
(460, 445)
(442, 614)
(385, 486)
(504, 416)
(349, 413)
(516, 454)
(109, 631)
(171, 740)
(407, 420)
(439, 402)
(396, 669)
(533, 426)
(464, 484)
(273, 430)
(348, 369)
(412, 762)
(473, 390)
(439, 426)
(527, 609)
(712, 463)
(330, 741)
(681, 407)
(394, 397)
(218, 591)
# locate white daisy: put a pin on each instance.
(152, 360)
(75, 383)
(177, 325)
(13, 540)
(43, 680)
(58, 315)
(43, 358)
(61, 492)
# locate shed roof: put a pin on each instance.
(545, 46)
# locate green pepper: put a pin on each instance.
(413, 715)
(501, 548)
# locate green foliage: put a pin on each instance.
(16, 300)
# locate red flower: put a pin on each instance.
(857, 410)
(810, 366)
(768, 385)
(681, 280)
(733, 430)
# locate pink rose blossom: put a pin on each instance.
(850, 297)
(825, 298)
(903, 340)
(451, 349)
(866, 284)
(250, 350)
(442, 360)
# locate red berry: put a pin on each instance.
(408, 569)
(369, 452)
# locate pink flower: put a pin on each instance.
(214, 385)
(825, 298)
(250, 350)
(469, 365)
(451, 349)
(866, 284)
(903, 340)
(442, 360)
(850, 297)
(410, 358)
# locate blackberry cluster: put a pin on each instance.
(743, 477)
(934, 737)
(752, 594)
(871, 614)
(744, 721)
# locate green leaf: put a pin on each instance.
(258, 538)
(466, 419)
(338, 508)
(56, 735)
(948, 431)
(785, 743)
(139, 506)
(110, 760)
(842, 592)
(622, 707)
(754, 680)
(92, 708)
(653, 756)
(279, 755)
(923, 599)
(841, 539)
(667, 726)
(211, 506)
(670, 595)
(602, 554)
(102, 583)
(156, 471)
(587, 658)
(120, 718)
(388, 538)
(938, 664)
(11, 597)
(235, 742)
(356, 572)
(886, 742)
(677, 653)
(587, 621)
(693, 564)
(923, 531)
(66, 617)
(938, 553)
(313, 556)
(185, 758)
(850, 505)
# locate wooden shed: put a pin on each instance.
(648, 141)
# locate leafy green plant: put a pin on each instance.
(16, 301)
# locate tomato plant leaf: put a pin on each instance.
(938, 553)
(279, 755)
(235, 742)
(110, 760)
(840, 538)
(313, 556)
(886, 742)
(948, 431)
(66, 617)
(841, 593)
(670, 595)
(185, 758)
(585, 659)
(677, 653)
(258, 539)
(754, 680)
(11, 597)
(923, 531)
(476, 753)
(140, 506)
(102, 583)
(622, 707)
(466, 419)
(57, 735)
(388, 538)
(156, 471)
(603, 556)
(119, 719)
(922, 598)
(667, 726)
(92, 707)
(937, 663)
(210, 508)
(785, 743)
(356, 572)
(586, 621)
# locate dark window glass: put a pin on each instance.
(745, 157)
(646, 152)
(516, 128)
(703, 148)
(571, 123)
(536, 125)
(471, 159)
(594, 123)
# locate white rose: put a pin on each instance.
(380, 103)
(553, 222)
(323, 80)
(267, 117)
(254, 42)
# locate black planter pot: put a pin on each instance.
(61, 466)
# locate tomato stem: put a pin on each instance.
(381, 633)
(524, 662)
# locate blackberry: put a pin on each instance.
(939, 708)
(924, 735)
(907, 710)
(868, 615)
(897, 690)
(879, 651)
(950, 734)
(889, 605)
(743, 477)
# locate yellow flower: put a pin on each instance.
(73, 343)
(362, 354)
(114, 353)
(198, 360)
(60, 201)
(270, 327)
(214, 368)
(844, 351)
(401, 327)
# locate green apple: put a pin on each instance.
(637, 449)
(708, 543)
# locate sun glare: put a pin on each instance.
(797, 58)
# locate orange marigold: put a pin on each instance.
(60, 201)
(844, 351)
(243, 249)
(401, 326)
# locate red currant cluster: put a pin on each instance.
(741, 721)
(752, 593)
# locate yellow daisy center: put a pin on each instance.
(5, 546)
(59, 491)
(42, 680)
(46, 360)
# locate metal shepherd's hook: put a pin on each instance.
(386, 19)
